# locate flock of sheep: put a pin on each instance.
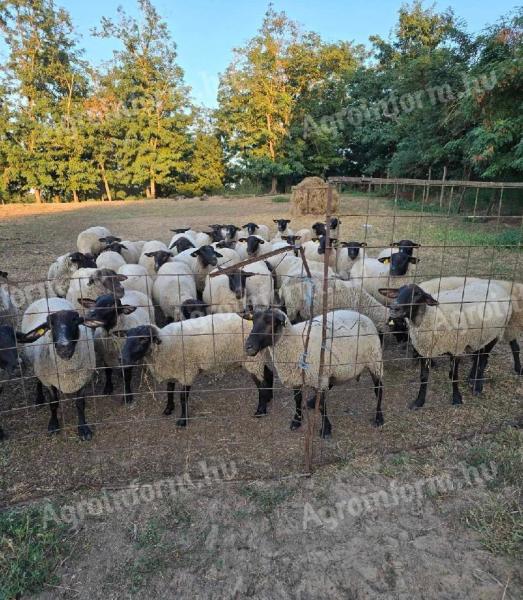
(104, 302)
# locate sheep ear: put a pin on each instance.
(242, 239)
(149, 254)
(124, 247)
(297, 237)
(248, 274)
(218, 254)
(385, 260)
(391, 293)
(275, 220)
(195, 253)
(121, 277)
(363, 244)
(394, 244)
(314, 239)
(93, 323)
(87, 302)
(32, 336)
(127, 309)
(247, 315)
(156, 340)
(413, 260)
(429, 300)
(3, 274)
(103, 240)
(262, 241)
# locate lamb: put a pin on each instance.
(352, 345)
(137, 279)
(373, 274)
(406, 246)
(106, 314)
(200, 263)
(86, 283)
(8, 309)
(108, 259)
(91, 241)
(61, 271)
(147, 259)
(180, 351)
(463, 320)
(61, 352)
(174, 285)
(514, 326)
(253, 229)
(283, 228)
(256, 245)
(297, 292)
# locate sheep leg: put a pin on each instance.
(169, 407)
(54, 424)
(425, 364)
(40, 397)
(326, 427)
(108, 388)
(296, 421)
(454, 377)
(84, 430)
(514, 346)
(184, 400)
(265, 391)
(127, 388)
(378, 391)
(2, 434)
(483, 357)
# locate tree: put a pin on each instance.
(148, 84)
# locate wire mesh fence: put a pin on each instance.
(247, 351)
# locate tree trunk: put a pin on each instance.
(38, 196)
(75, 196)
(274, 183)
(106, 184)
(153, 188)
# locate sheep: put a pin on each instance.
(147, 258)
(253, 229)
(282, 229)
(9, 358)
(208, 238)
(346, 255)
(406, 246)
(315, 250)
(239, 247)
(131, 251)
(8, 309)
(91, 240)
(463, 320)
(108, 259)
(137, 279)
(375, 273)
(256, 245)
(259, 285)
(352, 345)
(232, 233)
(61, 271)
(319, 228)
(304, 235)
(61, 352)
(514, 326)
(303, 297)
(180, 351)
(174, 285)
(86, 283)
(225, 293)
(183, 232)
(180, 244)
(200, 262)
(281, 264)
(106, 314)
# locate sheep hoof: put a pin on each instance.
(261, 412)
(415, 405)
(40, 399)
(326, 433)
(311, 402)
(379, 420)
(168, 410)
(457, 400)
(3, 436)
(129, 399)
(181, 422)
(108, 390)
(85, 433)
(476, 385)
(295, 424)
(53, 427)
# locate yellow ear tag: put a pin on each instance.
(41, 331)
(386, 261)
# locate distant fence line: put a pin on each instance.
(426, 182)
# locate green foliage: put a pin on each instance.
(30, 549)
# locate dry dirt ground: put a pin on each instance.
(246, 539)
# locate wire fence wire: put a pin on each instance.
(134, 339)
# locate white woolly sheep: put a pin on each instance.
(61, 271)
(254, 229)
(132, 251)
(146, 259)
(174, 284)
(202, 260)
(137, 279)
(61, 352)
(110, 260)
(256, 245)
(89, 283)
(456, 322)
(282, 229)
(239, 247)
(352, 345)
(181, 351)
(225, 293)
(89, 240)
(260, 285)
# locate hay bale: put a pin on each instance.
(309, 197)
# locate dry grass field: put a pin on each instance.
(234, 539)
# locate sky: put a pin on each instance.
(206, 31)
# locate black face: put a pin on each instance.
(319, 229)
(407, 246)
(160, 258)
(282, 224)
(82, 261)
(193, 309)
(207, 255)
(232, 230)
(65, 331)
(9, 360)
(251, 228)
(267, 324)
(407, 303)
(216, 234)
(226, 244)
(115, 247)
(180, 230)
(237, 283)
(353, 249)
(253, 244)
(104, 311)
(110, 280)
(3, 275)
(137, 343)
(399, 263)
(182, 244)
(334, 223)
(322, 246)
(110, 239)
